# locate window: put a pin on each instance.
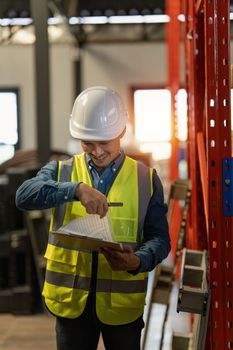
(152, 111)
(152, 120)
(9, 138)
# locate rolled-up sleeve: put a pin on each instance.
(44, 191)
(156, 243)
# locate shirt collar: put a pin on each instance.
(114, 165)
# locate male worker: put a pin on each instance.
(100, 292)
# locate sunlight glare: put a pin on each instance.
(8, 108)
(152, 115)
(181, 100)
(159, 150)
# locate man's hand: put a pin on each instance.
(121, 261)
(93, 200)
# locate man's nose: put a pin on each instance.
(98, 150)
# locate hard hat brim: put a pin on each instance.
(91, 135)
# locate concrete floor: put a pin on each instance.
(34, 332)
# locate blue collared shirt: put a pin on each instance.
(103, 181)
(44, 191)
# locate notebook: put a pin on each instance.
(88, 232)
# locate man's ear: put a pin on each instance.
(123, 133)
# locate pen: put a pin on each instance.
(115, 204)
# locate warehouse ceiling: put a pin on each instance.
(9, 8)
(71, 8)
(115, 33)
(113, 7)
(86, 33)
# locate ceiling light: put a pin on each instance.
(119, 19)
(93, 20)
(5, 22)
(157, 19)
(125, 19)
(56, 20)
(74, 20)
(21, 21)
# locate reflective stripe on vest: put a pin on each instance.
(65, 176)
(144, 195)
(104, 285)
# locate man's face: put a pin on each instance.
(102, 153)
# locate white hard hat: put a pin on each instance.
(98, 114)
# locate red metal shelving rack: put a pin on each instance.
(207, 47)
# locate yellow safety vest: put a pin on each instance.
(120, 296)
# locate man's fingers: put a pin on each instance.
(93, 200)
(96, 206)
(113, 257)
(91, 208)
(125, 260)
(102, 209)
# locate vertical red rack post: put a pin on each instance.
(173, 47)
(207, 47)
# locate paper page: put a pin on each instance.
(89, 226)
